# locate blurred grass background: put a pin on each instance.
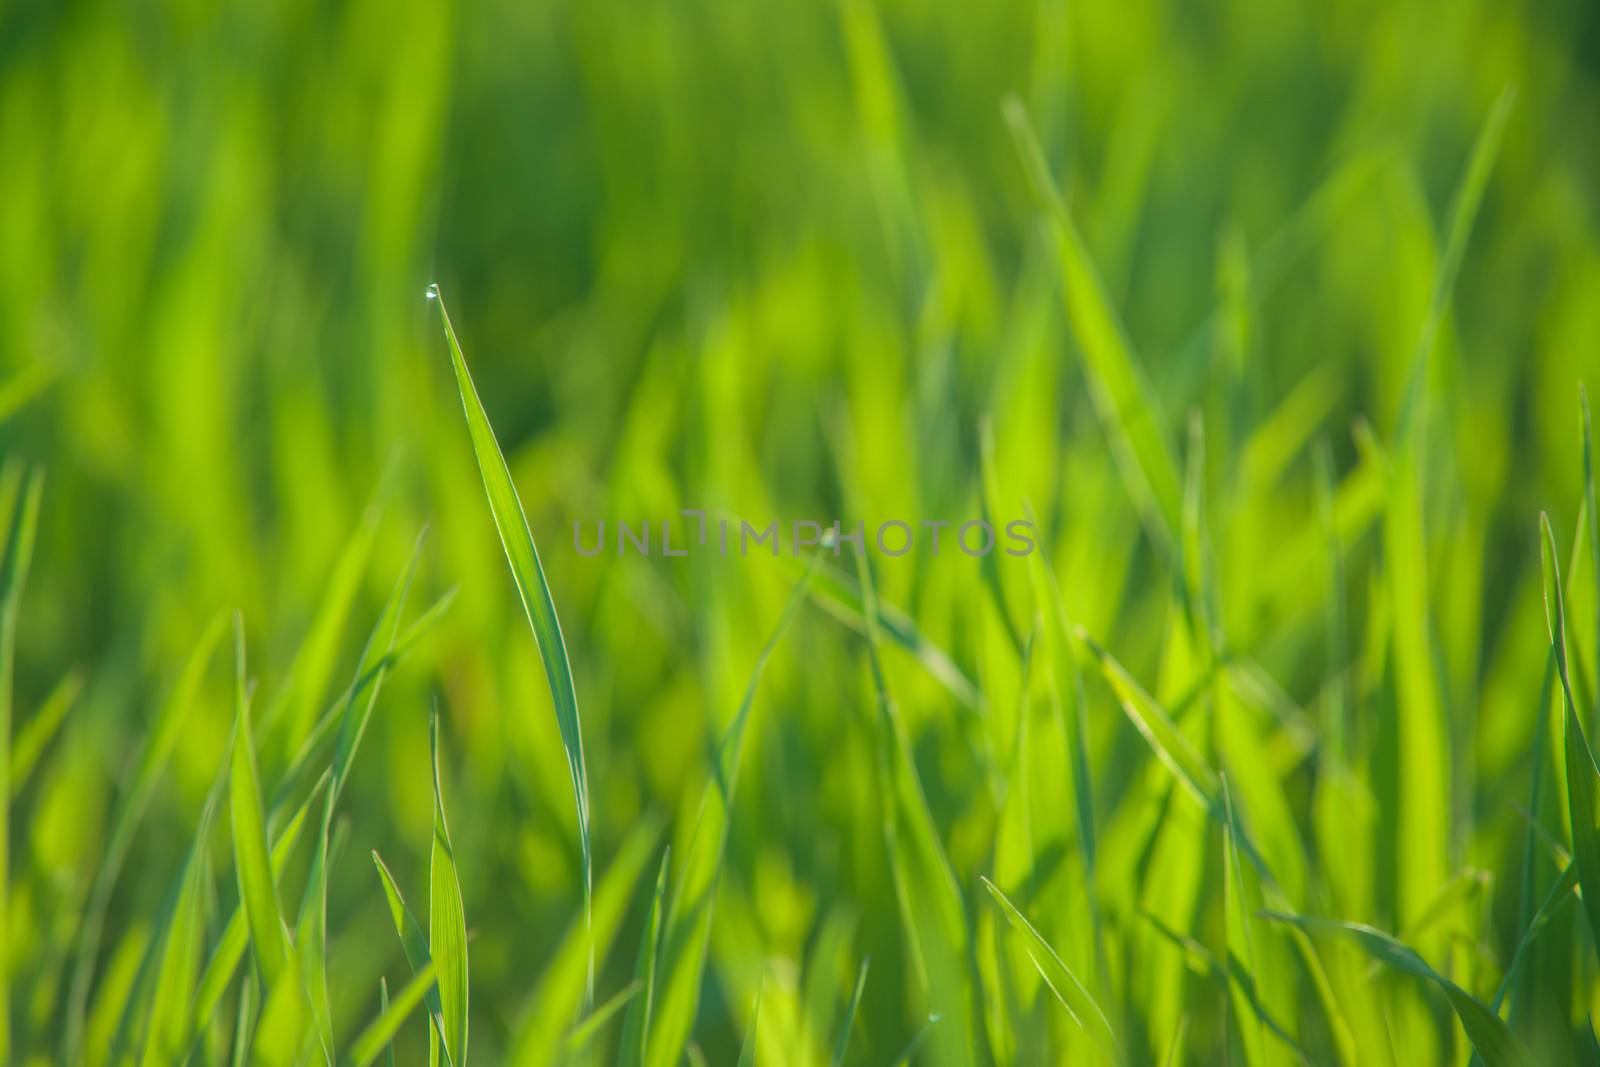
(710, 254)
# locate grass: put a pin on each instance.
(1272, 320)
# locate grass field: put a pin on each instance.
(1271, 319)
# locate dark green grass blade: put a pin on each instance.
(18, 549)
(1083, 1008)
(447, 922)
(523, 556)
(1582, 803)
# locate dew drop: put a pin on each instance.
(432, 292)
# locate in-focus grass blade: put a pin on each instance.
(235, 939)
(252, 857)
(636, 1025)
(848, 1026)
(447, 923)
(311, 925)
(18, 553)
(528, 572)
(1062, 982)
(1582, 803)
(412, 940)
(1489, 1034)
(379, 1033)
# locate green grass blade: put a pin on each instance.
(848, 1026)
(35, 736)
(1582, 802)
(537, 603)
(252, 857)
(558, 997)
(932, 910)
(1489, 1034)
(447, 923)
(689, 919)
(1463, 213)
(235, 938)
(636, 1025)
(839, 594)
(378, 1034)
(383, 1007)
(24, 521)
(1083, 1008)
(149, 767)
(413, 941)
(580, 1037)
(1123, 400)
(1171, 746)
(171, 1005)
(747, 1048)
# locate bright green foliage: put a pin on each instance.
(1266, 325)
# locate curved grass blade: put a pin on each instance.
(447, 923)
(1489, 1034)
(1062, 982)
(13, 573)
(537, 603)
(1170, 744)
(1582, 803)
(412, 941)
(839, 594)
(636, 1025)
